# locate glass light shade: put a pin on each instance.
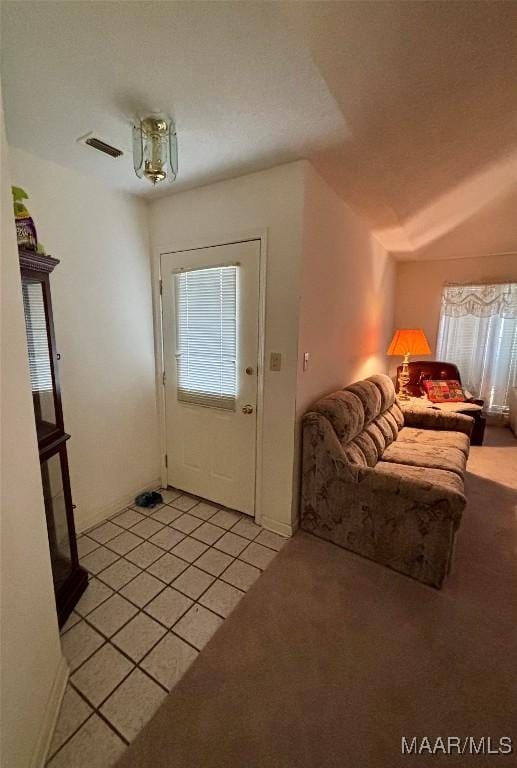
(155, 149)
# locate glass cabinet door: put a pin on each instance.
(57, 522)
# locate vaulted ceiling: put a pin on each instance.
(408, 110)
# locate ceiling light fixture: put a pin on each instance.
(155, 148)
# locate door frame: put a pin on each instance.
(261, 235)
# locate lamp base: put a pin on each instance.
(403, 393)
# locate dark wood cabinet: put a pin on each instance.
(70, 579)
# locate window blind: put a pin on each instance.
(37, 341)
(206, 336)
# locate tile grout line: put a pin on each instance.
(92, 713)
(209, 546)
(96, 709)
(150, 516)
(136, 664)
(52, 755)
(123, 529)
(141, 609)
(168, 583)
(108, 639)
(98, 574)
(148, 538)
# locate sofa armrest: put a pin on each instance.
(428, 418)
(322, 459)
(321, 447)
(421, 492)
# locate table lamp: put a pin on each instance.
(406, 342)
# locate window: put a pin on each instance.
(206, 334)
(478, 332)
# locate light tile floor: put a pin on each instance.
(162, 581)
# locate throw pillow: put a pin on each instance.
(444, 391)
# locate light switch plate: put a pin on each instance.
(306, 357)
(275, 361)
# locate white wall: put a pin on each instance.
(32, 668)
(101, 293)
(419, 287)
(346, 300)
(274, 200)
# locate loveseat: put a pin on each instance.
(383, 480)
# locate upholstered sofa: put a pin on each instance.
(385, 481)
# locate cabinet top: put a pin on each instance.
(39, 262)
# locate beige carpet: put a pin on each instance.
(331, 659)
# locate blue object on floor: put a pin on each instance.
(149, 499)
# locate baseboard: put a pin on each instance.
(117, 505)
(51, 715)
(283, 529)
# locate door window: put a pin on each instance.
(206, 336)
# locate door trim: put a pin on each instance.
(208, 242)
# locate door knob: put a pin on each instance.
(247, 409)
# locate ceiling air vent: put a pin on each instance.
(103, 147)
(92, 140)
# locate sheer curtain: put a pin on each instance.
(478, 332)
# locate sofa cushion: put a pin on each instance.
(385, 428)
(370, 396)
(345, 412)
(388, 429)
(390, 418)
(365, 443)
(397, 415)
(376, 434)
(428, 456)
(386, 389)
(438, 478)
(468, 408)
(434, 418)
(354, 455)
(435, 437)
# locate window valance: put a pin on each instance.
(480, 300)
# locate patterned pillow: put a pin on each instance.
(444, 391)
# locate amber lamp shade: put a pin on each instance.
(409, 342)
(406, 342)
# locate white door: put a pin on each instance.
(210, 347)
